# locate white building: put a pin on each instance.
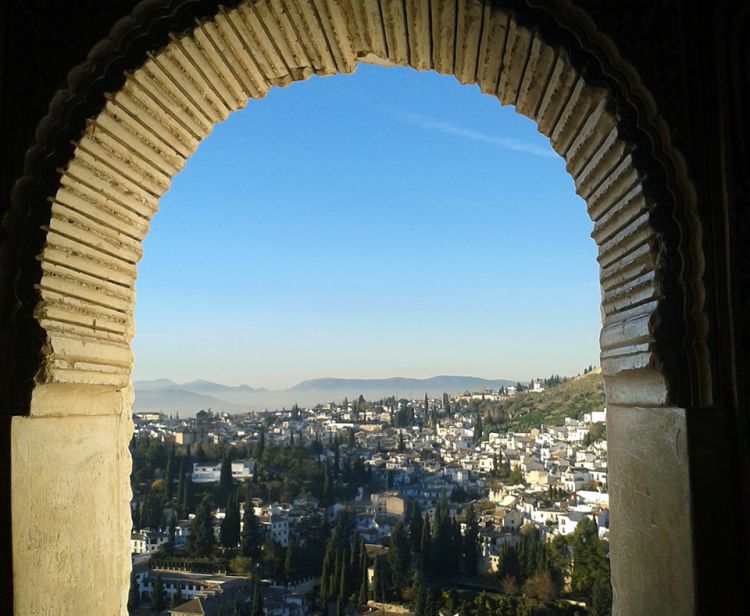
(206, 473)
(243, 469)
(146, 541)
(277, 528)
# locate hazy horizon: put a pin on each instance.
(342, 378)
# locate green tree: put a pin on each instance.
(509, 566)
(364, 582)
(240, 565)
(420, 595)
(515, 476)
(558, 558)
(256, 608)
(169, 473)
(225, 480)
(379, 579)
(478, 428)
(445, 553)
(230, 525)
(601, 594)
(181, 481)
(188, 498)
(429, 604)
(326, 571)
(590, 572)
(272, 557)
(415, 527)
(261, 446)
(343, 591)
(177, 598)
(471, 542)
(134, 597)
(153, 509)
(584, 545)
(200, 453)
(291, 562)
(158, 596)
(249, 535)
(172, 529)
(597, 432)
(399, 557)
(425, 546)
(327, 491)
(201, 540)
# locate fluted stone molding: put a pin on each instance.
(108, 191)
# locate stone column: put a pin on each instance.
(70, 473)
(650, 516)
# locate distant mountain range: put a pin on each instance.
(188, 398)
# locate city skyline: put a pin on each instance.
(387, 223)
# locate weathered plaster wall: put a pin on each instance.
(70, 504)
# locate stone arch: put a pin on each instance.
(108, 188)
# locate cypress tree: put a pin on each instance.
(335, 581)
(398, 558)
(429, 604)
(249, 536)
(291, 561)
(169, 474)
(188, 503)
(327, 485)
(343, 591)
(364, 582)
(230, 525)
(200, 454)
(225, 480)
(257, 604)
(378, 579)
(177, 599)
(471, 551)
(415, 528)
(261, 446)
(181, 481)
(420, 597)
(158, 599)
(172, 528)
(134, 598)
(326, 572)
(443, 541)
(202, 540)
(345, 560)
(457, 547)
(425, 547)
(353, 568)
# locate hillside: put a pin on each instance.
(551, 406)
(187, 398)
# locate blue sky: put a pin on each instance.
(385, 223)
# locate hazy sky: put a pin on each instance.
(385, 223)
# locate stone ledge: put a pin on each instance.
(69, 400)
